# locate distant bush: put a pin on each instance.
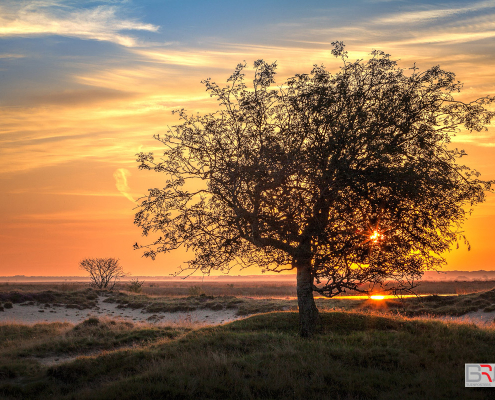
(8, 304)
(135, 286)
(196, 291)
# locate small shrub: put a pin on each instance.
(135, 286)
(91, 321)
(196, 291)
(8, 304)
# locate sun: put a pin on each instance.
(376, 236)
(377, 297)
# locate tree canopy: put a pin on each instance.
(347, 177)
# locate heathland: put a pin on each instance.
(364, 349)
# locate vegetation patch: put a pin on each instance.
(81, 299)
(435, 305)
(352, 356)
(23, 348)
(243, 305)
(87, 298)
(94, 334)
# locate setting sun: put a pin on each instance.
(377, 297)
(376, 236)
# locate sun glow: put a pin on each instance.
(377, 297)
(376, 236)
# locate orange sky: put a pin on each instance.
(85, 85)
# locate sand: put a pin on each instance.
(32, 314)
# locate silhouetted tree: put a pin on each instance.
(347, 178)
(104, 272)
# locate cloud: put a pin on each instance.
(72, 98)
(12, 56)
(450, 37)
(447, 25)
(120, 176)
(38, 18)
(38, 137)
(414, 17)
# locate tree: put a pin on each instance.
(104, 272)
(347, 178)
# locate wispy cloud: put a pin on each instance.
(443, 24)
(450, 37)
(121, 182)
(178, 57)
(57, 192)
(439, 25)
(8, 55)
(37, 18)
(89, 216)
(416, 16)
(32, 138)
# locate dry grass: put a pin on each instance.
(373, 350)
(434, 305)
(81, 299)
(263, 289)
(288, 288)
(244, 305)
(355, 355)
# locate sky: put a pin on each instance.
(84, 86)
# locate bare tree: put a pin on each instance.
(347, 178)
(104, 272)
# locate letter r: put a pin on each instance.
(486, 373)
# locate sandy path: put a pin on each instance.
(32, 314)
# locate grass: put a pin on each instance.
(87, 299)
(435, 305)
(281, 289)
(287, 288)
(24, 348)
(364, 349)
(244, 306)
(80, 299)
(430, 305)
(353, 356)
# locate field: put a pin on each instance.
(271, 288)
(364, 349)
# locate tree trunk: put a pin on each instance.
(308, 313)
